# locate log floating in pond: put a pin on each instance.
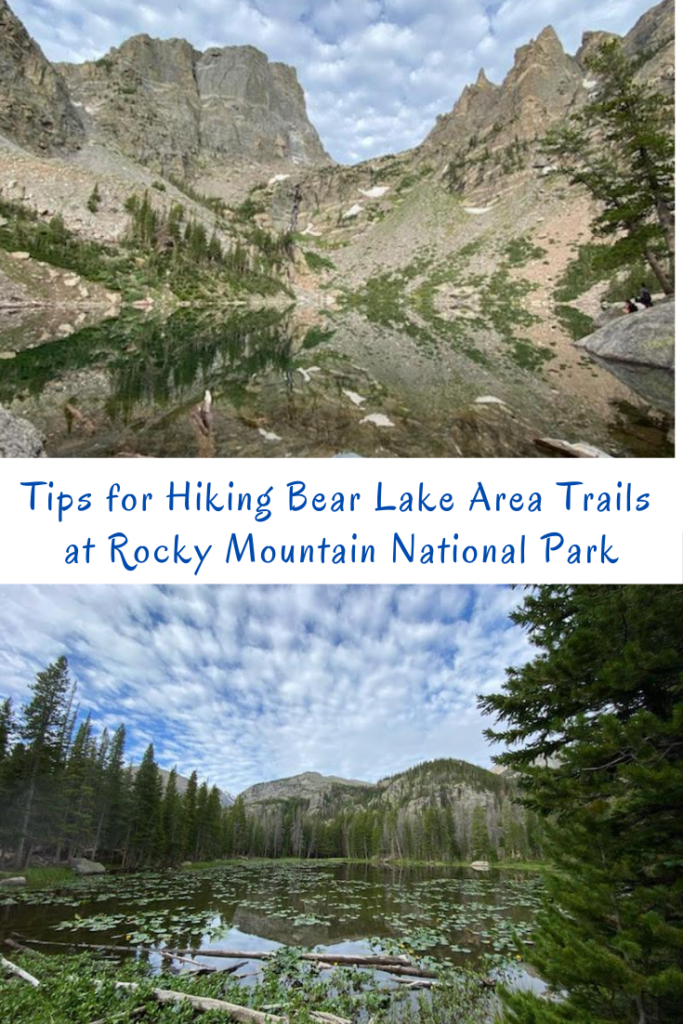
(398, 965)
(379, 962)
(167, 954)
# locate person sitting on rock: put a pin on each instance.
(645, 297)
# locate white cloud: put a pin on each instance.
(251, 683)
(376, 72)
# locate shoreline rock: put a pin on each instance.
(19, 439)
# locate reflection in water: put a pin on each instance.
(288, 383)
(453, 914)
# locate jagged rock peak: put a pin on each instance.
(546, 43)
(482, 81)
(35, 108)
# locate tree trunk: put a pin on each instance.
(658, 270)
(21, 858)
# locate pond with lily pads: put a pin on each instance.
(449, 915)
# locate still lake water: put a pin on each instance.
(455, 915)
(296, 383)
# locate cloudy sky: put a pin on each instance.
(376, 72)
(247, 684)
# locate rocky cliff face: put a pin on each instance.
(35, 108)
(311, 787)
(177, 110)
(493, 131)
(652, 39)
(543, 85)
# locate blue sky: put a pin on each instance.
(376, 72)
(247, 684)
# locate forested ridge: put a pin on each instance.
(66, 791)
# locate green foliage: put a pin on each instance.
(592, 725)
(520, 251)
(212, 203)
(576, 324)
(94, 200)
(81, 989)
(317, 336)
(163, 250)
(317, 262)
(620, 147)
(249, 209)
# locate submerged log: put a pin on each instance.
(19, 972)
(398, 965)
(241, 1014)
(380, 962)
(167, 954)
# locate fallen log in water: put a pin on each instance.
(400, 965)
(19, 972)
(241, 1014)
(102, 948)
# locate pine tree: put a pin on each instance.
(78, 789)
(146, 810)
(171, 813)
(189, 832)
(620, 147)
(42, 731)
(114, 793)
(593, 726)
(480, 842)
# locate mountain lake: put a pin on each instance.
(302, 382)
(455, 915)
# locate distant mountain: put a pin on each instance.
(441, 809)
(423, 784)
(312, 787)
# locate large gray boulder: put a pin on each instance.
(82, 866)
(18, 882)
(644, 339)
(19, 439)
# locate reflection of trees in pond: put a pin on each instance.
(154, 359)
(191, 349)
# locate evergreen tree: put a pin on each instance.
(480, 842)
(620, 146)
(189, 831)
(146, 810)
(78, 790)
(114, 793)
(172, 815)
(42, 730)
(593, 725)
